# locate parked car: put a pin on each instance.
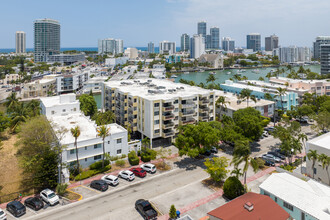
(16, 208)
(271, 157)
(302, 120)
(99, 185)
(265, 134)
(269, 129)
(34, 203)
(279, 151)
(139, 172)
(127, 175)
(276, 154)
(145, 209)
(49, 197)
(269, 163)
(110, 179)
(3, 215)
(206, 153)
(150, 168)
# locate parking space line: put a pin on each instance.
(31, 210)
(90, 189)
(8, 213)
(80, 198)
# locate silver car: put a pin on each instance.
(271, 157)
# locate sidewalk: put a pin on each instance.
(216, 194)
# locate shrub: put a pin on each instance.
(148, 154)
(98, 165)
(233, 188)
(120, 163)
(172, 212)
(123, 156)
(89, 173)
(133, 159)
(113, 158)
(61, 189)
(260, 162)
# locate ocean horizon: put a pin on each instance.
(12, 50)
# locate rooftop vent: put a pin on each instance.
(248, 206)
(149, 80)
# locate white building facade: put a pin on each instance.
(110, 45)
(197, 46)
(166, 47)
(20, 42)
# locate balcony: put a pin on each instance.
(185, 113)
(188, 121)
(168, 133)
(203, 108)
(168, 125)
(168, 116)
(168, 108)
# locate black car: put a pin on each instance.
(276, 154)
(269, 163)
(99, 185)
(214, 150)
(145, 209)
(16, 208)
(279, 151)
(34, 203)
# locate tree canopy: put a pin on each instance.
(88, 104)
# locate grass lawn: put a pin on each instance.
(10, 174)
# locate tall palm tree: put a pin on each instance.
(211, 78)
(103, 132)
(281, 92)
(221, 103)
(312, 155)
(242, 154)
(11, 102)
(237, 172)
(237, 77)
(268, 96)
(20, 115)
(246, 95)
(244, 78)
(325, 160)
(303, 138)
(76, 133)
(34, 106)
(145, 143)
(269, 75)
(261, 78)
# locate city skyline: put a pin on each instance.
(167, 20)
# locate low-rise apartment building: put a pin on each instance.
(289, 100)
(322, 146)
(63, 113)
(320, 87)
(306, 200)
(155, 107)
(94, 85)
(234, 103)
(72, 82)
(40, 88)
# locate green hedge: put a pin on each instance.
(133, 159)
(98, 165)
(89, 173)
(148, 155)
(233, 188)
(120, 163)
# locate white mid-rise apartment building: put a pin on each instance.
(155, 107)
(63, 113)
(110, 45)
(166, 47)
(72, 82)
(197, 46)
(293, 54)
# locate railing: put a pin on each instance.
(188, 121)
(168, 108)
(168, 117)
(192, 105)
(168, 125)
(187, 113)
(168, 134)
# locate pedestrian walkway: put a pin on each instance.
(217, 194)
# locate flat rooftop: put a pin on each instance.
(86, 125)
(59, 100)
(289, 80)
(270, 85)
(232, 98)
(322, 141)
(161, 88)
(311, 197)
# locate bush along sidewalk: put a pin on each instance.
(94, 169)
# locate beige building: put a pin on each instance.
(131, 53)
(322, 145)
(40, 88)
(155, 107)
(215, 60)
(9, 78)
(233, 104)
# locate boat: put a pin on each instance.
(174, 76)
(243, 71)
(201, 70)
(228, 73)
(256, 71)
(212, 73)
(238, 74)
(185, 72)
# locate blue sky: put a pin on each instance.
(296, 22)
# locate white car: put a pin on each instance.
(127, 175)
(149, 167)
(265, 134)
(3, 215)
(49, 197)
(111, 180)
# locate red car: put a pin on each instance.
(139, 172)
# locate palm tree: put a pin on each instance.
(269, 75)
(244, 78)
(20, 115)
(11, 102)
(237, 172)
(237, 77)
(146, 143)
(303, 138)
(312, 155)
(261, 78)
(242, 154)
(76, 133)
(221, 103)
(281, 92)
(103, 132)
(34, 106)
(268, 97)
(246, 95)
(211, 78)
(325, 160)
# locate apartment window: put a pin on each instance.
(176, 101)
(156, 122)
(97, 157)
(119, 151)
(134, 100)
(288, 206)
(85, 148)
(266, 193)
(53, 112)
(176, 118)
(108, 142)
(97, 146)
(72, 151)
(157, 131)
(119, 141)
(302, 216)
(85, 159)
(156, 105)
(195, 99)
(275, 199)
(327, 87)
(74, 109)
(156, 113)
(176, 110)
(315, 171)
(63, 110)
(211, 96)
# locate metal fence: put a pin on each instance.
(16, 195)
